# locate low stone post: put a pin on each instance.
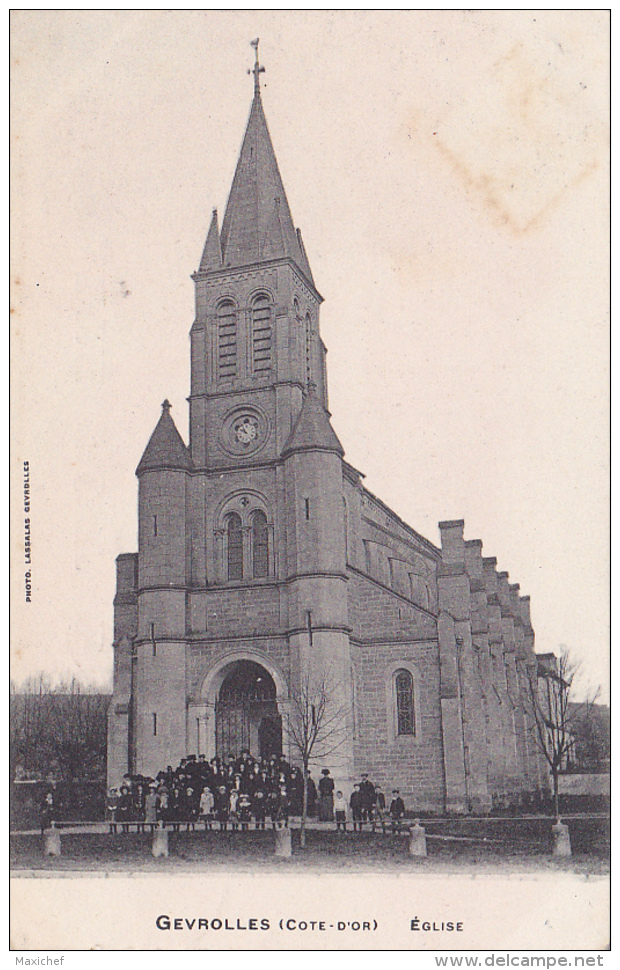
(561, 839)
(52, 840)
(284, 847)
(160, 842)
(417, 842)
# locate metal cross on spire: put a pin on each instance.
(257, 69)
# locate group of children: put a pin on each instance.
(234, 792)
(230, 792)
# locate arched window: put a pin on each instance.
(261, 334)
(227, 339)
(235, 546)
(405, 719)
(260, 546)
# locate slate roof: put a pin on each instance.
(212, 253)
(312, 430)
(166, 448)
(257, 223)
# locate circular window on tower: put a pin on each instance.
(244, 431)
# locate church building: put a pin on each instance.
(264, 562)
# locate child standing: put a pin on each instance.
(340, 808)
(206, 806)
(243, 811)
(397, 810)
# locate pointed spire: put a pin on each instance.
(312, 430)
(166, 448)
(257, 223)
(212, 253)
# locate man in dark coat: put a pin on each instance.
(283, 808)
(296, 791)
(222, 807)
(367, 791)
(312, 796)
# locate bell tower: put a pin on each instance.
(240, 578)
(255, 340)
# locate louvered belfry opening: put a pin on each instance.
(246, 713)
(261, 335)
(227, 339)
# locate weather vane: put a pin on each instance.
(257, 69)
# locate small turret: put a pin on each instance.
(166, 448)
(162, 473)
(312, 430)
(212, 253)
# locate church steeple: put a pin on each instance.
(258, 225)
(256, 340)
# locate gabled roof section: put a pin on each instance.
(166, 448)
(257, 223)
(312, 431)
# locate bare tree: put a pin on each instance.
(316, 726)
(554, 713)
(27, 723)
(78, 726)
(57, 730)
(592, 737)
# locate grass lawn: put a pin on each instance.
(327, 851)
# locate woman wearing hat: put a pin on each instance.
(326, 797)
(124, 813)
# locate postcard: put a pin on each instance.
(309, 480)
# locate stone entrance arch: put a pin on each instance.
(246, 713)
(243, 700)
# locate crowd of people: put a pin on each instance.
(237, 792)
(231, 792)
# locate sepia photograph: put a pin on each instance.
(310, 480)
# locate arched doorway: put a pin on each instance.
(246, 712)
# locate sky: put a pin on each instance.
(449, 172)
